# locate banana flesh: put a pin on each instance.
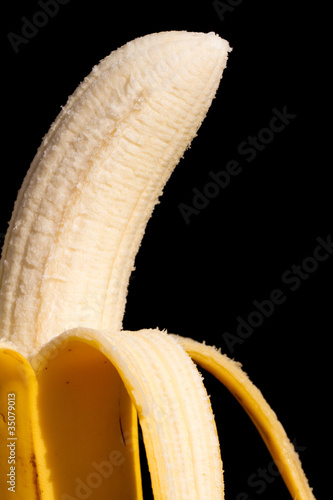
(79, 380)
(83, 207)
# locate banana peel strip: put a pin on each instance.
(171, 402)
(166, 391)
(230, 373)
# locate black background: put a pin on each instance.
(195, 279)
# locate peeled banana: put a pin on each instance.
(73, 382)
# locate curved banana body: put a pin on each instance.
(75, 382)
(83, 207)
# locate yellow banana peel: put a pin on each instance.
(73, 383)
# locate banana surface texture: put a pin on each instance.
(73, 383)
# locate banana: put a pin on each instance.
(73, 382)
(109, 153)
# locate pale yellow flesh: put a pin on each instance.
(85, 202)
(78, 222)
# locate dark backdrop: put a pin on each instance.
(240, 246)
